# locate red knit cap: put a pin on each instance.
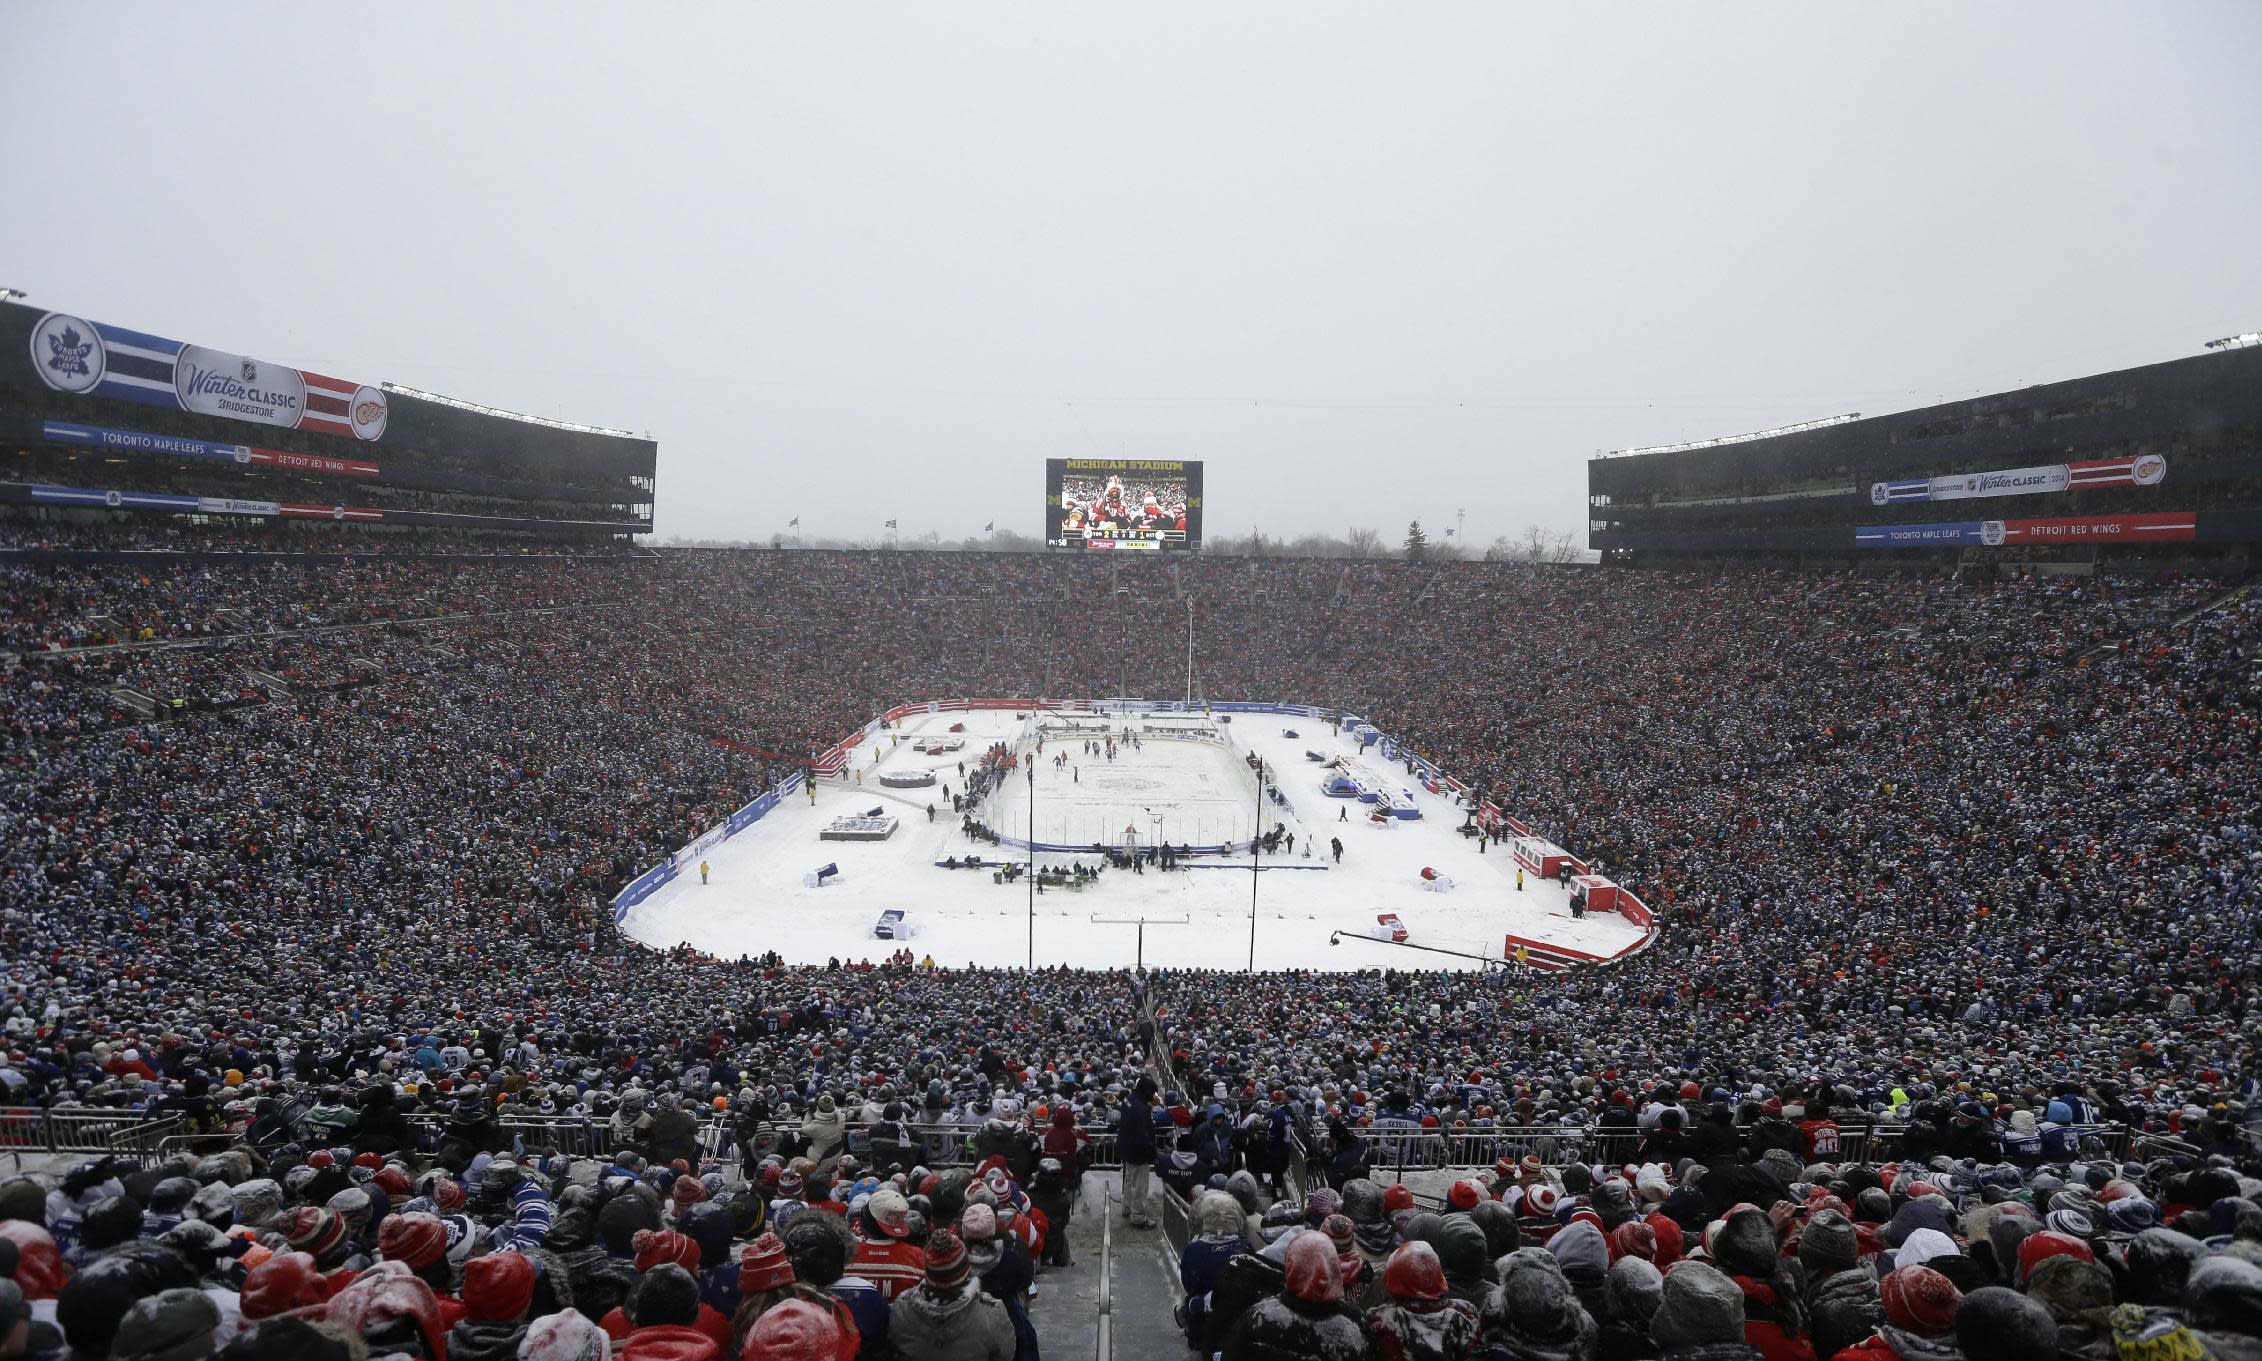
(498, 1288)
(795, 1330)
(1634, 1238)
(283, 1282)
(762, 1265)
(661, 1247)
(416, 1238)
(1920, 1300)
(313, 1230)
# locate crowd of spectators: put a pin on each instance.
(1954, 851)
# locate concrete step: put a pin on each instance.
(1066, 1310)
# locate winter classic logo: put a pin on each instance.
(67, 353)
(215, 383)
(1879, 493)
(2148, 470)
(1991, 533)
(368, 413)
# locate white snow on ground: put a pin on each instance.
(757, 900)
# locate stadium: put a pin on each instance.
(443, 918)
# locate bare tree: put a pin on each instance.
(1535, 544)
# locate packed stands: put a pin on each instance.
(304, 866)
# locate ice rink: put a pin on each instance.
(757, 898)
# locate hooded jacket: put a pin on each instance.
(958, 1324)
(1307, 1320)
(1420, 1322)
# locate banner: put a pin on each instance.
(77, 356)
(48, 494)
(329, 512)
(115, 500)
(231, 505)
(140, 442)
(2164, 527)
(143, 442)
(2142, 470)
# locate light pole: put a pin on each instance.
(1189, 652)
(1032, 862)
(1255, 840)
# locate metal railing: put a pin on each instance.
(26, 1129)
(936, 1145)
(1404, 1149)
(1103, 1342)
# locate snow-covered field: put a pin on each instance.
(757, 898)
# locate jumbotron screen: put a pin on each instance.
(1137, 504)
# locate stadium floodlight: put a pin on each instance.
(12, 294)
(1824, 423)
(2238, 342)
(461, 405)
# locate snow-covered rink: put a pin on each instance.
(757, 898)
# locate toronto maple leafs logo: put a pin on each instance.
(68, 353)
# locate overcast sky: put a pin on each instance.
(863, 261)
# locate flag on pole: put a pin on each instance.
(891, 524)
(794, 523)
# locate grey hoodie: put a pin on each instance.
(960, 1324)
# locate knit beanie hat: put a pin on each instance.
(1632, 1291)
(795, 1330)
(623, 1217)
(1697, 1306)
(762, 1265)
(662, 1247)
(1461, 1249)
(946, 1260)
(667, 1294)
(283, 1282)
(2141, 1334)
(565, 1336)
(1744, 1245)
(1828, 1243)
(498, 1288)
(2004, 1325)
(1362, 1201)
(1501, 1233)
(1919, 1300)
(1634, 1238)
(171, 1325)
(313, 1231)
(417, 1239)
